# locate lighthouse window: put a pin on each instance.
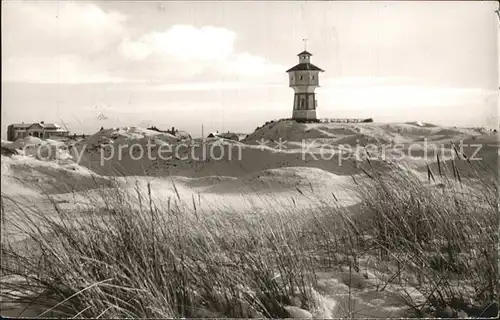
(300, 77)
(312, 77)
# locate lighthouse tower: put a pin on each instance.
(304, 79)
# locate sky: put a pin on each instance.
(223, 64)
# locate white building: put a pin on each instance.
(40, 130)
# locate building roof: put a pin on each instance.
(305, 53)
(225, 135)
(21, 125)
(305, 66)
(50, 126)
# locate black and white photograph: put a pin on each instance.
(249, 159)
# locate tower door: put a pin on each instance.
(302, 103)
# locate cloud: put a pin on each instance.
(253, 66)
(197, 50)
(79, 42)
(58, 27)
(59, 41)
(184, 43)
(184, 52)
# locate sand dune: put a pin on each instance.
(281, 179)
(223, 177)
(122, 136)
(224, 159)
(102, 153)
(21, 174)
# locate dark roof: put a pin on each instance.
(305, 52)
(21, 125)
(27, 125)
(305, 66)
(224, 135)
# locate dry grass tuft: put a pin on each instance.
(147, 259)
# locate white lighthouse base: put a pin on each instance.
(304, 115)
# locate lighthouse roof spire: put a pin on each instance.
(305, 49)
